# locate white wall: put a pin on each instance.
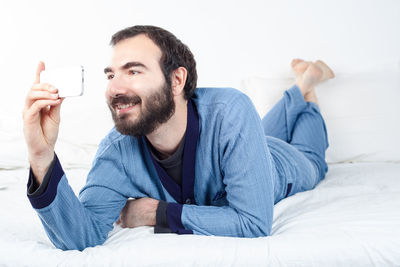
(231, 40)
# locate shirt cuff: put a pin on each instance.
(161, 219)
(49, 193)
(174, 213)
(33, 189)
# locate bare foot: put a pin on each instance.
(308, 75)
(313, 74)
(327, 72)
(299, 66)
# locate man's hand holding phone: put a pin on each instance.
(41, 117)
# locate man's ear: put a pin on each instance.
(178, 80)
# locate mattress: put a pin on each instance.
(351, 218)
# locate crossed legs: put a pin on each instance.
(296, 132)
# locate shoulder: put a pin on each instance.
(114, 140)
(217, 95)
(213, 97)
(221, 99)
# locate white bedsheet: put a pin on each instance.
(352, 218)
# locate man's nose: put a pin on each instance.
(117, 86)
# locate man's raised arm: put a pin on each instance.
(70, 223)
(41, 117)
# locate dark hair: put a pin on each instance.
(175, 54)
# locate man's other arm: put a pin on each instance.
(248, 172)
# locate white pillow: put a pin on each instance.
(361, 111)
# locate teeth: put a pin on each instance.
(122, 106)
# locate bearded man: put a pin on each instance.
(194, 160)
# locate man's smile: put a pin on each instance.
(124, 108)
(123, 104)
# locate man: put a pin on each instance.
(197, 161)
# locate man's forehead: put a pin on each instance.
(139, 49)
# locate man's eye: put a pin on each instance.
(110, 76)
(134, 72)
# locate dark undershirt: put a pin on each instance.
(172, 165)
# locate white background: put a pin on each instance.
(231, 40)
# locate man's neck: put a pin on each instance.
(167, 137)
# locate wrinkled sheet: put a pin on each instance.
(352, 218)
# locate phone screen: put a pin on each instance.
(68, 80)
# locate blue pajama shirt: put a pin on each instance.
(235, 168)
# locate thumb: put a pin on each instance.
(39, 69)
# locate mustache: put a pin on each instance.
(123, 99)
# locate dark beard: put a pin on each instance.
(159, 109)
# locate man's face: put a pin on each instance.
(137, 94)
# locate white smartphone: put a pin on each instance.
(68, 80)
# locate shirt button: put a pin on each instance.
(188, 201)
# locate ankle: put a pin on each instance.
(304, 88)
(311, 97)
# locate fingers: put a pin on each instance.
(44, 92)
(36, 95)
(122, 215)
(42, 103)
(54, 112)
(30, 115)
(39, 69)
(126, 213)
(41, 91)
(122, 221)
(44, 87)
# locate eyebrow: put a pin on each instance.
(127, 66)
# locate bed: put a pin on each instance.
(352, 218)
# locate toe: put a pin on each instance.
(295, 62)
(328, 73)
(301, 67)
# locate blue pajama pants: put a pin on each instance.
(297, 138)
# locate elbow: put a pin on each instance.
(79, 240)
(255, 227)
(255, 231)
